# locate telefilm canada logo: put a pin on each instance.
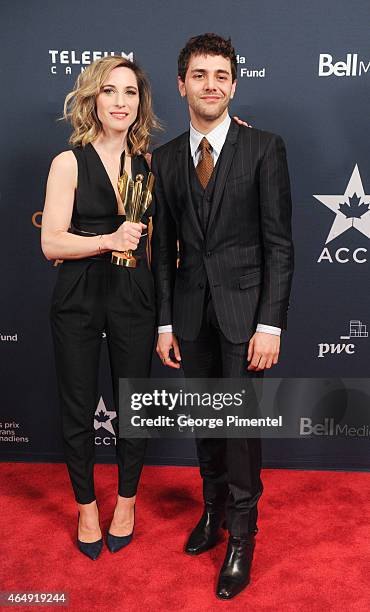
(352, 212)
(347, 344)
(248, 71)
(8, 337)
(103, 425)
(68, 62)
(351, 66)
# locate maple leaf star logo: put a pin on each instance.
(103, 417)
(352, 209)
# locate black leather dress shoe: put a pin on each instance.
(207, 532)
(116, 543)
(235, 572)
(90, 549)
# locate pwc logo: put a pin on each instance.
(348, 342)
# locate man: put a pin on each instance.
(222, 192)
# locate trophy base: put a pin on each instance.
(123, 260)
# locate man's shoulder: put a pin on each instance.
(171, 146)
(262, 137)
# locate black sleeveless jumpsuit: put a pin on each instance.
(93, 296)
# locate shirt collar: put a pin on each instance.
(215, 137)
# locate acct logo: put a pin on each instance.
(103, 421)
(351, 67)
(11, 431)
(37, 219)
(357, 330)
(352, 211)
(66, 60)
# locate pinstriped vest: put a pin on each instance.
(202, 198)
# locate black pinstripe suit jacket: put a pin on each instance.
(246, 253)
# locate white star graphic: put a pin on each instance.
(341, 222)
(107, 414)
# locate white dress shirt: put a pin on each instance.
(216, 139)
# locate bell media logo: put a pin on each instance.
(330, 428)
(352, 212)
(352, 66)
(66, 60)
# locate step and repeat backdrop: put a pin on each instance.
(303, 72)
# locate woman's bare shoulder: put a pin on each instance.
(65, 160)
(64, 165)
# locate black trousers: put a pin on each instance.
(92, 296)
(230, 467)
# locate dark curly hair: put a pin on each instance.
(207, 44)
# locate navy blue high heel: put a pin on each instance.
(116, 543)
(90, 549)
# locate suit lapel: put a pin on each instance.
(183, 182)
(227, 156)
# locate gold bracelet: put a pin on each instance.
(99, 247)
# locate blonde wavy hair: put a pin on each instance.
(80, 105)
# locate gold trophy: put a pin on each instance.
(135, 201)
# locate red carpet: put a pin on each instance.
(312, 552)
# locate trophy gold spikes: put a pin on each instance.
(135, 200)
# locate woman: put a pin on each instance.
(111, 115)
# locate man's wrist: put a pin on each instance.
(268, 329)
(163, 329)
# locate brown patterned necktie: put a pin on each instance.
(204, 168)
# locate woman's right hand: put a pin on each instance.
(126, 238)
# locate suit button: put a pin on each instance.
(201, 286)
(209, 253)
